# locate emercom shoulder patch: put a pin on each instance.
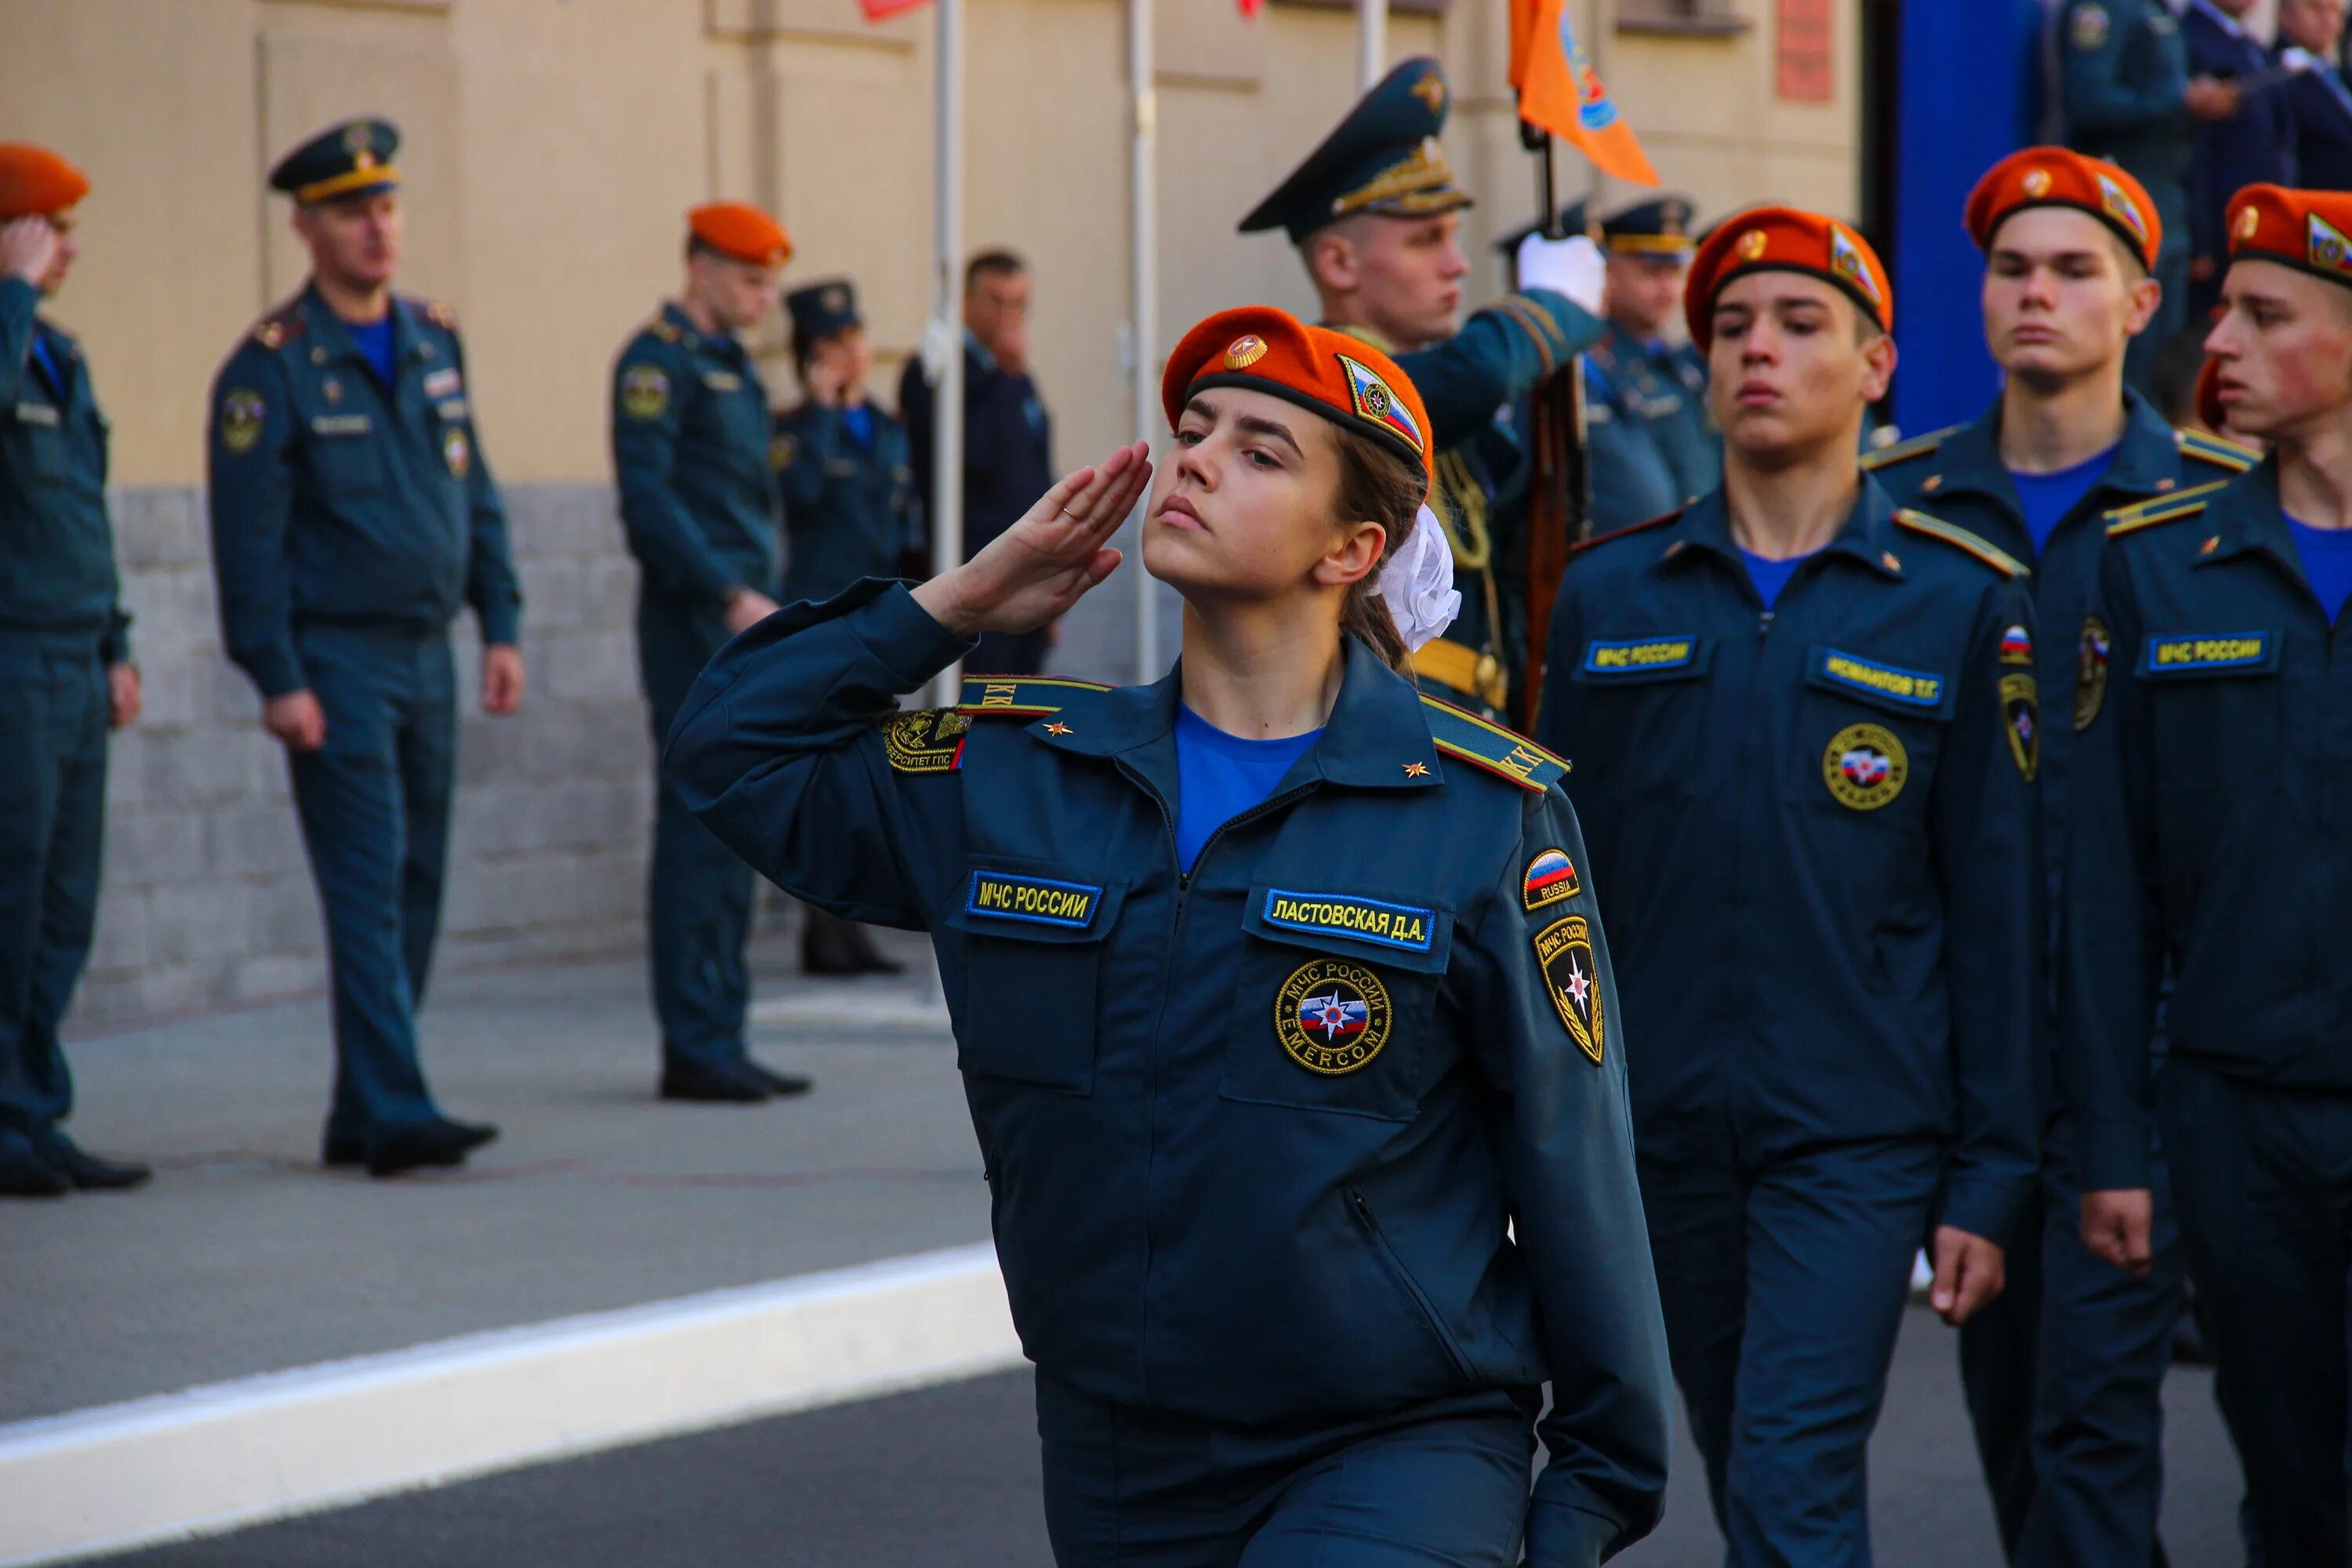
(928, 743)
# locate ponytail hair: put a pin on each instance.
(1376, 485)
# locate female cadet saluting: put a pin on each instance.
(1285, 1019)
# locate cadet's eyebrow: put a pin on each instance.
(1257, 427)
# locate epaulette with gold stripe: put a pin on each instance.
(1961, 540)
(2163, 509)
(1663, 518)
(1903, 451)
(2212, 450)
(1020, 696)
(1461, 733)
(286, 321)
(662, 326)
(439, 314)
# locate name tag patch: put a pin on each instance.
(1006, 896)
(1641, 656)
(36, 414)
(339, 425)
(1911, 688)
(1366, 919)
(2204, 653)
(443, 382)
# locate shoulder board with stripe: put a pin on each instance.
(1961, 540)
(1461, 733)
(2212, 450)
(1903, 451)
(1020, 696)
(2165, 509)
(1646, 524)
(662, 327)
(434, 312)
(284, 322)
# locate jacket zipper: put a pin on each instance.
(1405, 1281)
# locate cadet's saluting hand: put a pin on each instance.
(28, 245)
(1045, 563)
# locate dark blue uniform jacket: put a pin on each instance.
(849, 506)
(56, 545)
(1008, 442)
(1255, 1133)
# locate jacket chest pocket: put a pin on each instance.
(2216, 704)
(346, 454)
(37, 430)
(1872, 728)
(1647, 695)
(1335, 1000)
(1032, 955)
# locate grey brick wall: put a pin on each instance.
(207, 899)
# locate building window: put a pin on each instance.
(1704, 17)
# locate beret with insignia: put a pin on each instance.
(820, 309)
(36, 183)
(1382, 158)
(353, 159)
(2059, 177)
(2310, 231)
(1345, 379)
(1785, 239)
(740, 231)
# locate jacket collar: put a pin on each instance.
(2147, 460)
(331, 340)
(2245, 519)
(1868, 534)
(1375, 736)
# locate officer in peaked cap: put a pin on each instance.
(354, 515)
(1648, 381)
(1375, 212)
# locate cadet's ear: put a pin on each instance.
(1356, 551)
(2147, 294)
(1331, 261)
(1878, 354)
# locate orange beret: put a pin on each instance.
(36, 183)
(1783, 239)
(2057, 177)
(1345, 379)
(2310, 231)
(743, 231)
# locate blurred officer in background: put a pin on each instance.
(2249, 141)
(2213, 741)
(352, 515)
(849, 513)
(66, 677)
(2128, 97)
(2064, 1373)
(1008, 436)
(1805, 726)
(2317, 96)
(1658, 386)
(690, 439)
(1375, 214)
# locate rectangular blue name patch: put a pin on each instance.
(2209, 653)
(1911, 688)
(1641, 656)
(1005, 896)
(1366, 919)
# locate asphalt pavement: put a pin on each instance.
(948, 1477)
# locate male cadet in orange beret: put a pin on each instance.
(353, 516)
(2214, 843)
(1374, 212)
(2064, 1373)
(66, 677)
(690, 428)
(1805, 726)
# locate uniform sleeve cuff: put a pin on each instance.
(501, 622)
(1572, 328)
(274, 671)
(2109, 1155)
(19, 298)
(904, 639)
(1984, 1206)
(1562, 1535)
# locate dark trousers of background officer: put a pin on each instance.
(698, 895)
(2262, 1181)
(1783, 1275)
(1442, 1483)
(2065, 1376)
(52, 826)
(375, 807)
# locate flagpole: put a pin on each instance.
(1371, 42)
(1143, 310)
(947, 321)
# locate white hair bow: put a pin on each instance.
(1417, 583)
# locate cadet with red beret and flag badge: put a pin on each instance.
(2212, 845)
(1374, 213)
(1805, 726)
(691, 455)
(65, 675)
(354, 515)
(2066, 1371)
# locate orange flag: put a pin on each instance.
(1560, 91)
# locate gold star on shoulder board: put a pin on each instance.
(1057, 728)
(2209, 547)
(1416, 770)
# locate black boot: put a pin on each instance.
(711, 1083)
(428, 1146)
(782, 1085)
(86, 1171)
(24, 1173)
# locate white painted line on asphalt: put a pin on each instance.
(233, 1454)
(853, 1009)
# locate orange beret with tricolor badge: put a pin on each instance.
(36, 183)
(2310, 231)
(2060, 177)
(740, 231)
(1785, 239)
(1345, 379)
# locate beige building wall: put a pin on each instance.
(550, 146)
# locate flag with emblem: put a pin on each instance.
(1375, 402)
(1331, 1017)
(2330, 248)
(1561, 93)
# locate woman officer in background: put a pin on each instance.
(1285, 1019)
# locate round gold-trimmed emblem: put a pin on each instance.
(645, 391)
(1865, 766)
(242, 413)
(2091, 671)
(1752, 244)
(1332, 1017)
(456, 451)
(1245, 351)
(2249, 222)
(2037, 183)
